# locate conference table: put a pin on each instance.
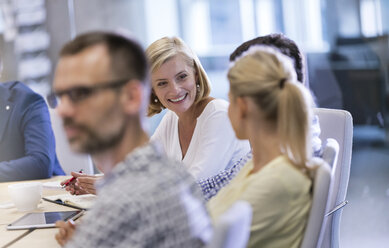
(23, 238)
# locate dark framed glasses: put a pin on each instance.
(77, 94)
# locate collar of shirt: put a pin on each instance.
(151, 150)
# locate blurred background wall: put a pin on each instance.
(345, 41)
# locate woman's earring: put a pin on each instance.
(155, 100)
(198, 87)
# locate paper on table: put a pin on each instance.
(81, 201)
(6, 205)
(52, 185)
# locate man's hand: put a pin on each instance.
(66, 230)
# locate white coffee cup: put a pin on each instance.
(26, 196)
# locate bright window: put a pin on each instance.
(371, 23)
(216, 27)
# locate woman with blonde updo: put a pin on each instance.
(272, 109)
(195, 129)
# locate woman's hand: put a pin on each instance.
(87, 184)
(84, 184)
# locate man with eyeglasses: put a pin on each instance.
(144, 199)
(27, 144)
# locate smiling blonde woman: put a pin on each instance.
(195, 129)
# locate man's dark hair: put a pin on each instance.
(127, 57)
(282, 43)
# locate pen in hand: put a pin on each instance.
(71, 180)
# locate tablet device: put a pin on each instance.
(43, 220)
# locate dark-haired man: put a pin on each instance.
(144, 199)
(285, 45)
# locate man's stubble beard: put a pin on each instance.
(93, 142)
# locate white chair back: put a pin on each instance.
(316, 221)
(330, 155)
(232, 229)
(337, 124)
(69, 160)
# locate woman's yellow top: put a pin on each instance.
(280, 197)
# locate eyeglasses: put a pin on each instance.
(80, 93)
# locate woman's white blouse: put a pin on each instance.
(213, 147)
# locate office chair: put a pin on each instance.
(69, 160)
(330, 155)
(321, 190)
(232, 229)
(336, 124)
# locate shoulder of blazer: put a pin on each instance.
(22, 96)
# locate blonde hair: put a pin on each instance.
(268, 77)
(164, 49)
